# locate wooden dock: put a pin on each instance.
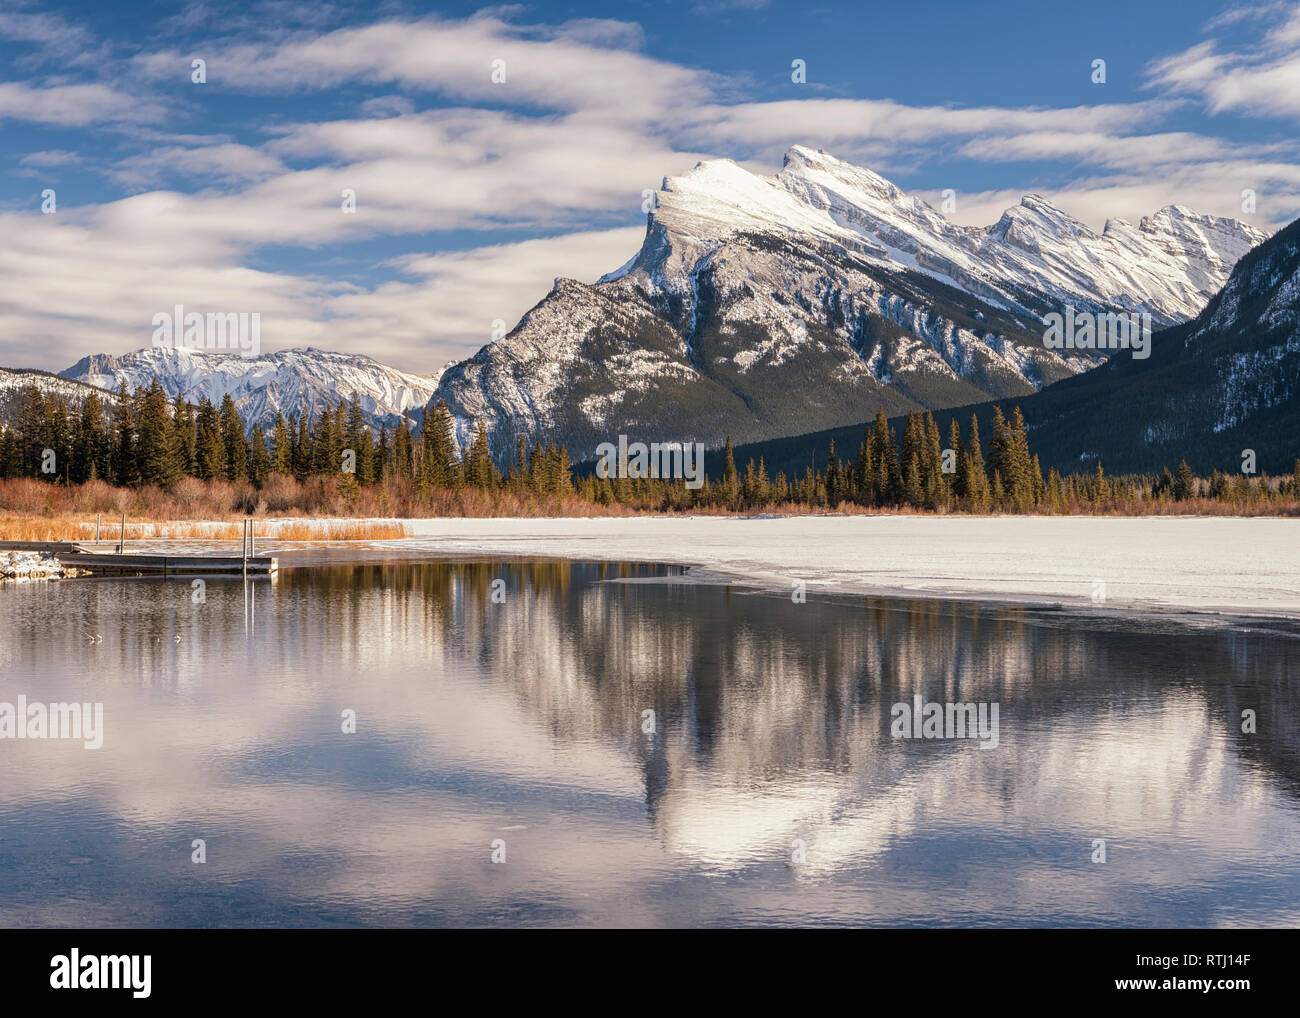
(105, 562)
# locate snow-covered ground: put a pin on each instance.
(29, 565)
(1239, 566)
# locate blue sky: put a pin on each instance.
(472, 194)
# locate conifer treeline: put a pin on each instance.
(148, 440)
(957, 475)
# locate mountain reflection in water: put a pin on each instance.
(515, 711)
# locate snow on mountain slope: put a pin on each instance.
(766, 306)
(1250, 333)
(1169, 264)
(289, 381)
(14, 381)
(1217, 391)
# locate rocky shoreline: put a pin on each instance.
(33, 565)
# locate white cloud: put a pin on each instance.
(1259, 81)
(566, 146)
(70, 289)
(571, 67)
(50, 158)
(71, 105)
(459, 295)
(225, 161)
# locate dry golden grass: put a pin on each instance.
(350, 530)
(14, 528)
(41, 529)
(318, 509)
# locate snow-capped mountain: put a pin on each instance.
(1215, 388)
(300, 381)
(761, 306)
(1216, 391)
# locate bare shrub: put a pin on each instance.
(281, 493)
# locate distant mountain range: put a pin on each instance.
(301, 381)
(780, 310)
(1226, 382)
(767, 306)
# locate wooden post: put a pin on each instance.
(252, 524)
(97, 516)
(122, 546)
(243, 546)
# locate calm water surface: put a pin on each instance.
(522, 722)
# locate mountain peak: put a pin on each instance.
(1043, 211)
(825, 273)
(802, 153)
(1169, 265)
(799, 157)
(1177, 212)
(851, 181)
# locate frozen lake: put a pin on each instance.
(1233, 565)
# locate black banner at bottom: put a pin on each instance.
(1220, 968)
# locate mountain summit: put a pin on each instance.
(1168, 265)
(761, 306)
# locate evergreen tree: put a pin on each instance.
(403, 455)
(357, 437)
(209, 449)
(519, 468)
(440, 456)
(730, 478)
(976, 480)
(186, 439)
(563, 472)
(158, 456)
(125, 467)
(913, 491)
(1055, 492)
(832, 476)
(863, 471)
(1004, 461)
(338, 435)
(233, 441)
(957, 480)
(932, 476)
(281, 447)
(304, 460)
(326, 453)
(92, 448)
(259, 460)
(480, 471)
(1028, 477)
